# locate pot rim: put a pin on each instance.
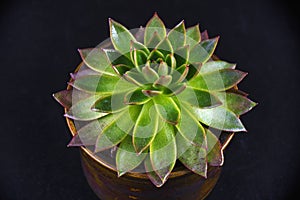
(180, 172)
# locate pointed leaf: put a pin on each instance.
(134, 77)
(154, 40)
(82, 110)
(215, 155)
(154, 178)
(217, 80)
(139, 35)
(96, 84)
(193, 36)
(140, 46)
(64, 98)
(219, 118)
(115, 58)
(204, 35)
(97, 60)
(120, 36)
(118, 128)
(110, 104)
(163, 69)
(149, 73)
(163, 153)
(177, 35)
(167, 109)
(139, 58)
(154, 25)
(194, 70)
(121, 69)
(235, 102)
(165, 46)
(163, 80)
(182, 55)
(126, 158)
(155, 55)
(145, 128)
(215, 66)
(201, 53)
(180, 74)
(190, 128)
(151, 93)
(191, 156)
(171, 61)
(210, 45)
(199, 98)
(136, 97)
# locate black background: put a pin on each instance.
(38, 42)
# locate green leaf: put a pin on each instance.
(177, 35)
(120, 37)
(215, 155)
(190, 128)
(165, 46)
(126, 158)
(191, 156)
(154, 25)
(134, 77)
(155, 55)
(136, 97)
(64, 98)
(167, 109)
(81, 110)
(110, 104)
(193, 35)
(117, 128)
(219, 118)
(154, 178)
(235, 102)
(163, 80)
(182, 55)
(217, 80)
(171, 61)
(163, 153)
(194, 70)
(115, 58)
(139, 58)
(145, 128)
(96, 84)
(199, 98)
(215, 66)
(149, 73)
(140, 46)
(151, 93)
(97, 60)
(210, 45)
(180, 73)
(121, 69)
(154, 40)
(163, 69)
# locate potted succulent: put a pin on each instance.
(150, 105)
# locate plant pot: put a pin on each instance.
(181, 184)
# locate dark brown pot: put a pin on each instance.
(182, 183)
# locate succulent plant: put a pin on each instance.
(157, 95)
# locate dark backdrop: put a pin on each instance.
(38, 41)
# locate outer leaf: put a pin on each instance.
(110, 104)
(154, 178)
(182, 55)
(126, 158)
(217, 80)
(163, 153)
(145, 128)
(200, 53)
(117, 129)
(190, 128)
(199, 98)
(154, 25)
(194, 70)
(120, 36)
(204, 35)
(115, 58)
(215, 155)
(193, 35)
(139, 46)
(96, 84)
(82, 110)
(180, 74)
(177, 35)
(193, 157)
(97, 60)
(215, 66)
(219, 118)
(154, 40)
(64, 97)
(167, 109)
(136, 97)
(235, 102)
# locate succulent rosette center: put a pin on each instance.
(154, 94)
